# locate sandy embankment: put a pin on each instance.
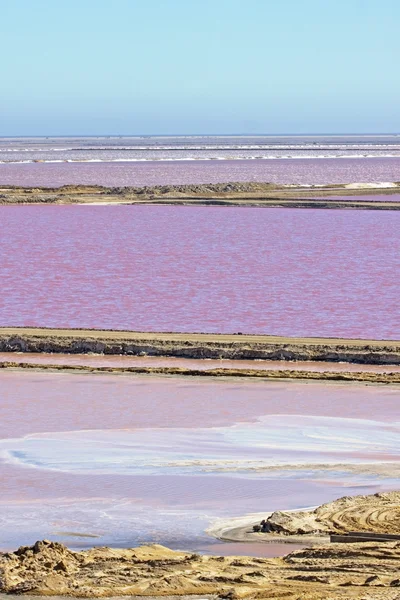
(376, 513)
(198, 345)
(326, 572)
(205, 346)
(229, 194)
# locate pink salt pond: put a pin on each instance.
(289, 272)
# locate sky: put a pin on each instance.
(103, 67)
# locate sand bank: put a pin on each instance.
(229, 194)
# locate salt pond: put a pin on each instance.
(131, 459)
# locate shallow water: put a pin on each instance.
(135, 459)
(287, 272)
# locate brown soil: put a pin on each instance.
(234, 193)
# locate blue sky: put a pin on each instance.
(199, 66)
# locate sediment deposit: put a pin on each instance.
(328, 572)
(229, 194)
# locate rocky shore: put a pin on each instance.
(199, 346)
(229, 194)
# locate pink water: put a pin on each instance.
(299, 170)
(211, 269)
(100, 455)
(64, 402)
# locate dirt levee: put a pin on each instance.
(77, 341)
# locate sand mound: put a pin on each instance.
(325, 573)
(379, 513)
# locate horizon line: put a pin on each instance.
(150, 135)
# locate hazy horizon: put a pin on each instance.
(174, 67)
